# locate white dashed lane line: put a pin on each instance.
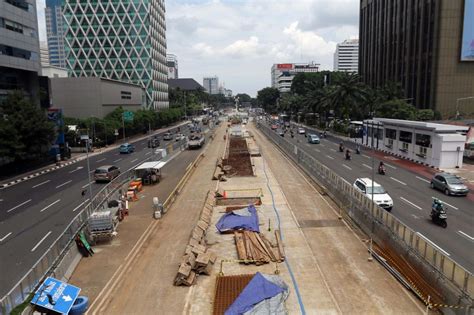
(37, 185)
(41, 241)
(133, 160)
(393, 167)
(64, 184)
(148, 153)
(434, 245)
(330, 157)
(5, 237)
(410, 203)
(369, 167)
(422, 179)
(118, 160)
(398, 181)
(462, 233)
(45, 208)
(366, 156)
(21, 204)
(101, 160)
(346, 166)
(80, 205)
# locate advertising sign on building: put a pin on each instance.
(467, 42)
(284, 66)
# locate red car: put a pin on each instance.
(274, 127)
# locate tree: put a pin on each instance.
(268, 97)
(347, 96)
(244, 98)
(425, 114)
(396, 109)
(25, 132)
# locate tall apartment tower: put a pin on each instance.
(282, 74)
(346, 57)
(211, 85)
(120, 40)
(418, 44)
(55, 33)
(172, 63)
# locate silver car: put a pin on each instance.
(106, 173)
(449, 184)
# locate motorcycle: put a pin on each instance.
(438, 215)
(357, 150)
(382, 170)
(341, 148)
(348, 156)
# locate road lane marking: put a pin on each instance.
(77, 169)
(85, 185)
(445, 203)
(5, 237)
(148, 153)
(422, 179)
(366, 156)
(436, 246)
(133, 160)
(330, 157)
(117, 160)
(411, 203)
(346, 166)
(461, 232)
(101, 160)
(333, 150)
(50, 205)
(369, 167)
(64, 183)
(47, 181)
(390, 166)
(21, 204)
(322, 145)
(80, 205)
(41, 241)
(316, 150)
(399, 181)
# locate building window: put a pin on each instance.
(21, 5)
(391, 134)
(405, 136)
(126, 95)
(423, 140)
(17, 52)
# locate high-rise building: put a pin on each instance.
(172, 63)
(419, 44)
(346, 57)
(211, 84)
(55, 33)
(19, 48)
(120, 40)
(282, 74)
(44, 54)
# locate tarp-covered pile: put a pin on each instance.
(241, 219)
(264, 294)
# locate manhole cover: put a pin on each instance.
(320, 223)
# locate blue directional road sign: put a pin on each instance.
(56, 295)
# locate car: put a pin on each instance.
(127, 148)
(179, 137)
(312, 138)
(153, 142)
(449, 184)
(381, 197)
(274, 127)
(281, 132)
(301, 131)
(168, 136)
(106, 173)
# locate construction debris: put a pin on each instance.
(255, 248)
(197, 259)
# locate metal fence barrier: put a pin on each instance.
(53, 255)
(375, 221)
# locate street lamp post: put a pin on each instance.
(457, 104)
(88, 165)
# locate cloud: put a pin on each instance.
(308, 43)
(326, 14)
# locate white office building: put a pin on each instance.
(346, 57)
(282, 74)
(172, 63)
(211, 84)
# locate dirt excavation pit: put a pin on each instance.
(238, 157)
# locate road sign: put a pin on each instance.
(116, 132)
(128, 116)
(56, 295)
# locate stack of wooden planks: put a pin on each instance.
(197, 259)
(220, 171)
(256, 248)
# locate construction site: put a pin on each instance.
(248, 232)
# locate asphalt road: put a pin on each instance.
(411, 194)
(35, 212)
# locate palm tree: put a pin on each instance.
(347, 95)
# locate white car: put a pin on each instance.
(179, 137)
(381, 197)
(301, 131)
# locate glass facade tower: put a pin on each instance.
(121, 40)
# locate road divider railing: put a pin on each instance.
(455, 282)
(54, 255)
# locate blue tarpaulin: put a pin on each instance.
(262, 288)
(245, 219)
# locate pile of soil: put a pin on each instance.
(239, 157)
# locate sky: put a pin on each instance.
(239, 40)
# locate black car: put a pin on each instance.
(153, 142)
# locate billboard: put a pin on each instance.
(467, 42)
(284, 66)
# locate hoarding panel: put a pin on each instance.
(467, 41)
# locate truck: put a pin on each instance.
(196, 141)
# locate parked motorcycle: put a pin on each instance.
(438, 213)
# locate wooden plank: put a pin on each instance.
(269, 248)
(240, 245)
(262, 244)
(279, 244)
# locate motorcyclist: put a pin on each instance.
(325, 134)
(341, 147)
(348, 154)
(381, 168)
(437, 206)
(358, 149)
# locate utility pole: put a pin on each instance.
(88, 165)
(123, 126)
